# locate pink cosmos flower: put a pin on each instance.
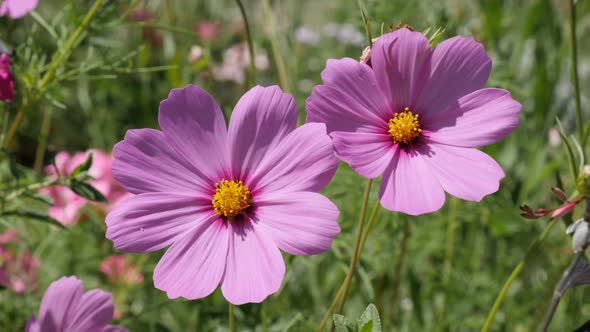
(120, 270)
(224, 200)
(6, 79)
(66, 308)
(415, 116)
(67, 204)
(17, 8)
(18, 270)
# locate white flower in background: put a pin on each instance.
(236, 60)
(344, 33)
(554, 137)
(581, 234)
(306, 35)
(195, 54)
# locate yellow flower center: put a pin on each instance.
(231, 198)
(404, 127)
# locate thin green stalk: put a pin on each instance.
(252, 68)
(357, 246)
(532, 249)
(276, 50)
(448, 263)
(232, 323)
(372, 219)
(340, 297)
(399, 262)
(58, 59)
(43, 135)
(575, 79)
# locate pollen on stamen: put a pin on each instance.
(231, 198)
(404, 127)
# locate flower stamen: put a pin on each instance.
(404, 127)
(231, 198)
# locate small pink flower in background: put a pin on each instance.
(151, 35)
(17, 8)
(18, 270)
(120, 270)
(415, 116)
(224, 200)
(67, 204)
(207, 30)
(66, 307)
(6, 79)
(236, 60)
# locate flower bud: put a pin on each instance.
(581, 235)
(6, 79)
(583, 182)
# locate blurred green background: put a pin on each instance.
(450, 276)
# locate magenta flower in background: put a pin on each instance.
(67, 204)
(415, 116)
(18, 270)
(119, 270)
(6, 79)
(66, 308)
(208, 31)
(17, 8)
(224, 200)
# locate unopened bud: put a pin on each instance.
(581, 235)
(583, 183)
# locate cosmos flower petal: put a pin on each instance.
(255, 267)
(94, 312)
(400, 60)
(303, 161)
(195, 127)
(152, 221)
(480, 118)
(193, 266)
(358, 81)
(367, 153)
(60, 303)
(17, 8)
(459, 66)
(33, 325)
(341, 112)
(301, 223)
(466, 173)
(260, 120)
(145, 162)
(409, 185)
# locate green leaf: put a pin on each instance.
(87, 191)
(368, 327)
(32, 214)
(570, 152)
(342, 324)
(83, 167)
(40, 197)
(11, 163)
(369, 320)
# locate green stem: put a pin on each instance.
(344, 287)
(372, 219)
(232, 323)
(532, 249)
(357, 246)
(575, 79)
(58, 59)
(43, 135)
(276, 51)
(252, 67)
(448, 263)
